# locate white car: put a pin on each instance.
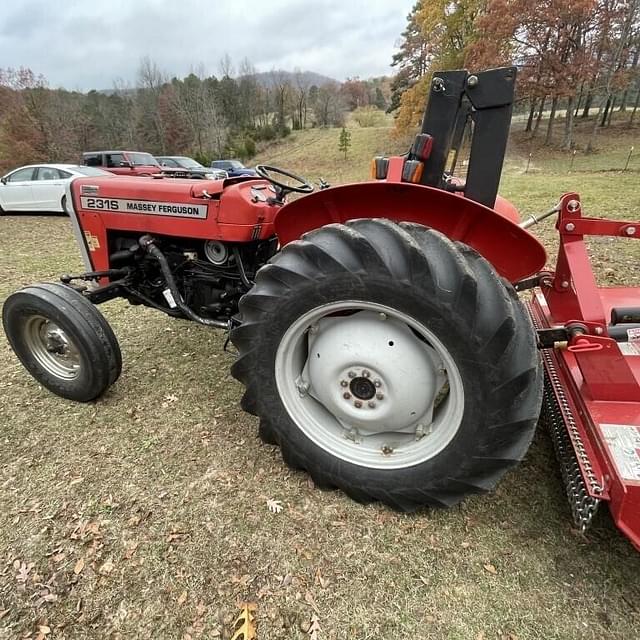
(40, 187)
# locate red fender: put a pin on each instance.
(513, 252)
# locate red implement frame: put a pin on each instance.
(598, 377)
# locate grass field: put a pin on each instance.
(144, 515)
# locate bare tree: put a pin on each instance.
(150, 82)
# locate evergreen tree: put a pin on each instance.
(344, 142)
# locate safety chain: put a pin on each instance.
(570, 451)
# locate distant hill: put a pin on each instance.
(267, 79)
(270, 78)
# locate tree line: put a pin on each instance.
(204, 116)
(576, 58)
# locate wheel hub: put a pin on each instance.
(51, 347)
(362, 388)
(390, 376)
(369, 384)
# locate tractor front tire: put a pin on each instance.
(390, 362)
(62, 340)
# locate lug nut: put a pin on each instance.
(346, 396)
(352, 374)
(371, 404)
(379, 396)
(630, 231)
(365, 373)
(570, 226)
(377, 382)
(387, 450)
(344, 383)
(357, 404)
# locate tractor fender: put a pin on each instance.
(514, 253)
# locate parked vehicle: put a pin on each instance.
(234, 168)
(41, 187)
(185, 167)
(124, 163)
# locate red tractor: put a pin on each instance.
(381, 339)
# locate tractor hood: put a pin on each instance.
(142, 188)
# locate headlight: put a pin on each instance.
(211, 176)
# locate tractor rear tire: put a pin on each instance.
(375, 316)
(62, 340)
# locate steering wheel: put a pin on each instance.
(265, 171)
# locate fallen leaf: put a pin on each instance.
(128, 554)
(3, 613)
(321, 581)
(308, 598)
(79, 566)
(244, 624)
(465, 545)
(275, 506)
(182, 598)
(314, 628)
(44, 629)
(430, 618)
(489, 568)
(23, 571)
(106, 568)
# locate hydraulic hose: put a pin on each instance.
(147, 243)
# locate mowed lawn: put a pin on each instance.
(144, 515)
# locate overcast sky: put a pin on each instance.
(84, 44)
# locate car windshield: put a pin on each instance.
(90, 171)
(188, 163)
(236, 164)
(142, 159)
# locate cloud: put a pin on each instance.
(83, 45)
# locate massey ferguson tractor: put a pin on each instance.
(381, 340)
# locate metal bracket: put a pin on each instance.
(487, 99)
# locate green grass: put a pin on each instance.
(160, 496)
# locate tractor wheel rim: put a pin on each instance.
(369, 384)
(52, 348)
